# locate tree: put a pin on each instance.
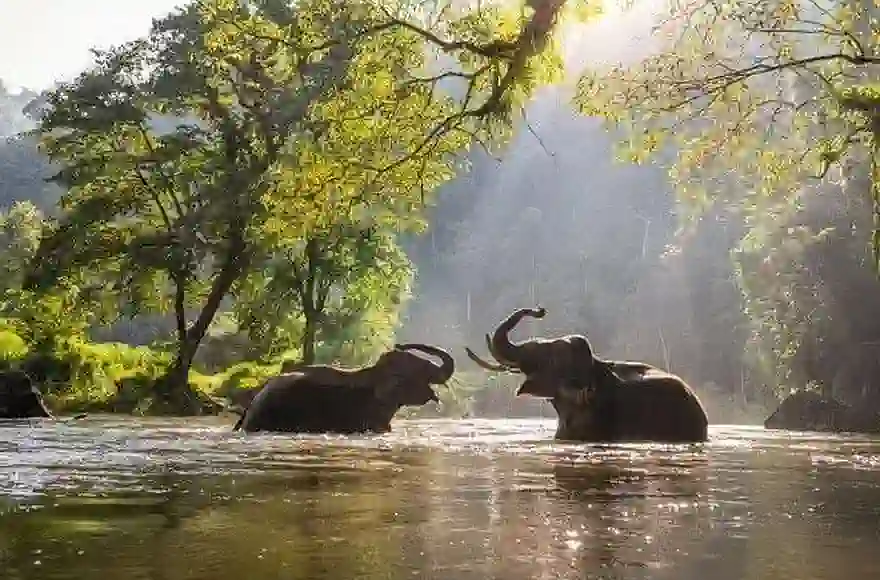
(770, 110)
(20, 231)
(236, 126)
(323, 287)
(725, 79)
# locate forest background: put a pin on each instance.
(252, 183)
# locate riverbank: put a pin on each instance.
(467, 397)
(116, 378)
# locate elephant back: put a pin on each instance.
(655, 407)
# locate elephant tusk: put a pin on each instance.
(497, 367)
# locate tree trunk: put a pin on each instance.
(173, 390)
(312, 299)
(180, 280)
(174, 394)
(309, 335)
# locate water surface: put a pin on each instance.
(121, 498)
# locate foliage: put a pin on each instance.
(276, 137)
(89, 376)
(12, 347)
(327, 288)
(762, 105)
(48, 321)
(20, 230)
(726, 79)
(242, 145)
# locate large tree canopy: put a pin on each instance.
(770, 111)
(237, 132)
(725, 80)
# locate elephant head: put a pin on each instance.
(19, 398)
(324, 398)
(407, 378)
(399, 374)
(547, 363)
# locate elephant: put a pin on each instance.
(598, 400)
(242, 398)
(289, 366)
(810, 411)
(328, 399)
(19, 397)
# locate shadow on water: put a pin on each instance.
(173, 500)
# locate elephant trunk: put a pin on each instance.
(503, 349)
(447, 365)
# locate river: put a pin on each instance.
(112, 498)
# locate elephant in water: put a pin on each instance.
(328, 399)
(810, 411)
(242, 398)
(19, 398)
(598, 400)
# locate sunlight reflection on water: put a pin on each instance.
(432, 499)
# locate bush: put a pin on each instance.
(245, 375)
(136, 393)
(13, 348)
(96, 376)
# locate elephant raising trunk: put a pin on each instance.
(325, 399)
(530, 355)
(567, 356)
(447, 364)
(597, 399)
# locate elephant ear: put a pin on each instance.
(581, 360)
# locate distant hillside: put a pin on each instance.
(12, 120)
(23, 169)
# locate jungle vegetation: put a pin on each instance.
(249, 183)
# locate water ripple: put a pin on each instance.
(455, 500)
(108, 452)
